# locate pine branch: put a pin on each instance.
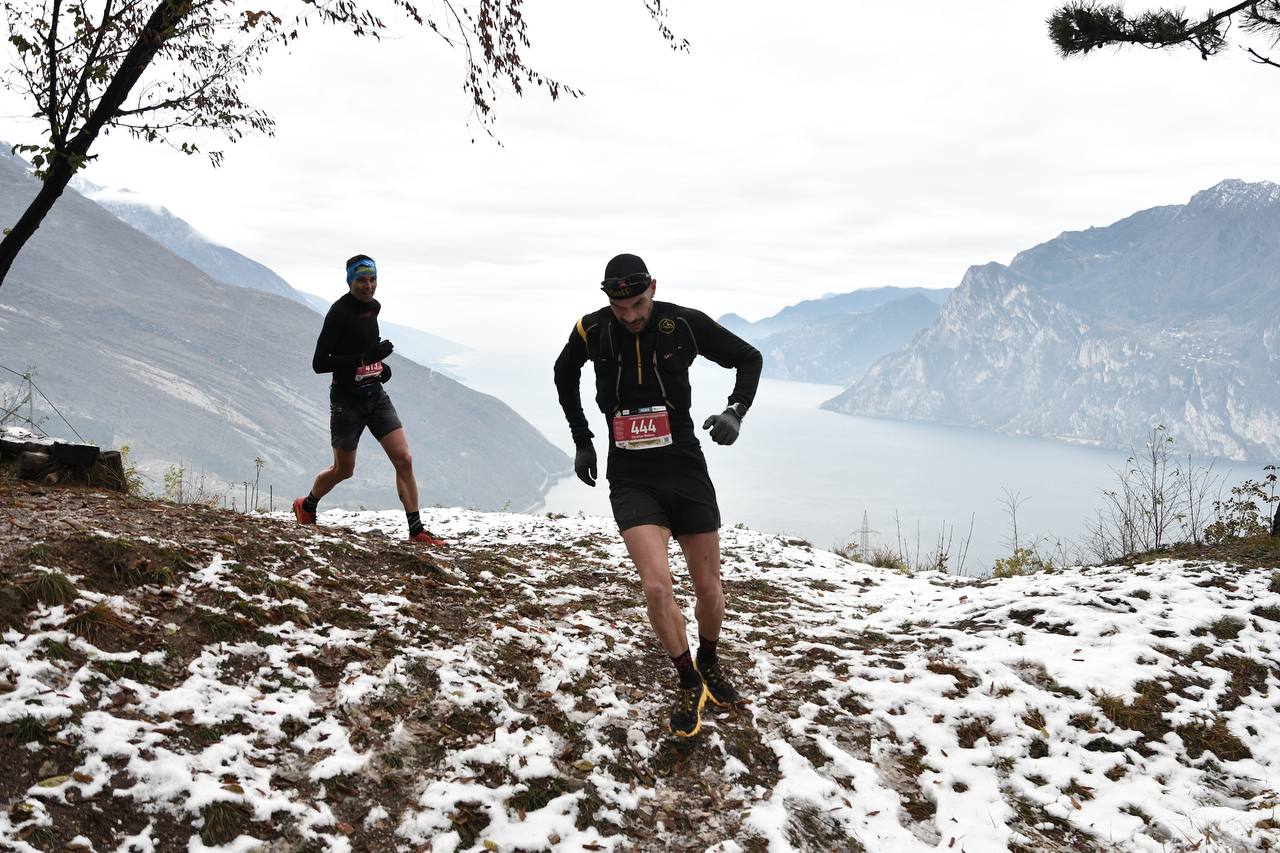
(1077, 28)
(1262, 60)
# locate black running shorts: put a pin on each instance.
(683, 501)
(351, 412)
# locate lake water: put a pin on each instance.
(799, 470)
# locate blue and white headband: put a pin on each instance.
(359, 267)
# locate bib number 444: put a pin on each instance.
(642, 429)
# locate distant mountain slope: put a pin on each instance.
(230, 267)
(839, 349)
(138, 346)
(836, 338)
(812, 311)
(1170, 316)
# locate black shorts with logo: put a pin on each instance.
(351, 411)
(681, 499)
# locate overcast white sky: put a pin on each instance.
(800, 148)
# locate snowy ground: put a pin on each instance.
(291, 689)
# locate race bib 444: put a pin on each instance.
(642, 429)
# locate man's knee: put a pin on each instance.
(402, 461)
(344, 469)
(708, 588)
(657, 594)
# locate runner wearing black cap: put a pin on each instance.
(658, 481)
(350, 348)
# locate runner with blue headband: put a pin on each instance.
(351, 348)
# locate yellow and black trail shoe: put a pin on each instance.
(686, 715)
(719, 690)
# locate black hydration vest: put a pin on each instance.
(674, 350)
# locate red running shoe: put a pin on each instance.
(301, 514)
(426, 537)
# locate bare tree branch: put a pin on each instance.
(159, 72)
(1262, 60)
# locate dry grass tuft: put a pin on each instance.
(224, 822)
(1215, 737)
(53, 589)
(1271, 614)
(28, 730)
(1145, 714)
(93, 622)
(964, 682)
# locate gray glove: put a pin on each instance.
(724, 426)
(584, 464)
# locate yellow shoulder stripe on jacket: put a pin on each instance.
(582, 333)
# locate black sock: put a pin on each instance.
(415, 523)
(706, 651)
(684, 667)
(310, 502)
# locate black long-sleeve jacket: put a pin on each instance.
(649, 368)
(350, 330)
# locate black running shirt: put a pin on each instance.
(350, 330)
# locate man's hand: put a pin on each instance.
(584, 464)
(724, 426)
(378, 352)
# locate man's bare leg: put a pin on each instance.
(702, 553)
(396, 444)
(647, 545)
(344, 465)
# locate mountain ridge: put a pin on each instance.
(1168, 317)
(835, 338)
(228, 266)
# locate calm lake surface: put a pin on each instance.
(810, 473)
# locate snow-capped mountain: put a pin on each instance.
(1169, 316)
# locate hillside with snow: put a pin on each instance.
(179, 678)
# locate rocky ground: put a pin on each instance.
(181, 678)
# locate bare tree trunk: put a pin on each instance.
(56, 180)
(160, 26)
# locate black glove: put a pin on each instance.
(385, 376)
(724, 426)
(584, 464)
(378, 352)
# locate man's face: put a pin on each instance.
(634, 313)
(363, 287)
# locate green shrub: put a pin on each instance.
(1240, 515)
(133, 484)
(1023, 561)
(887, 558)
